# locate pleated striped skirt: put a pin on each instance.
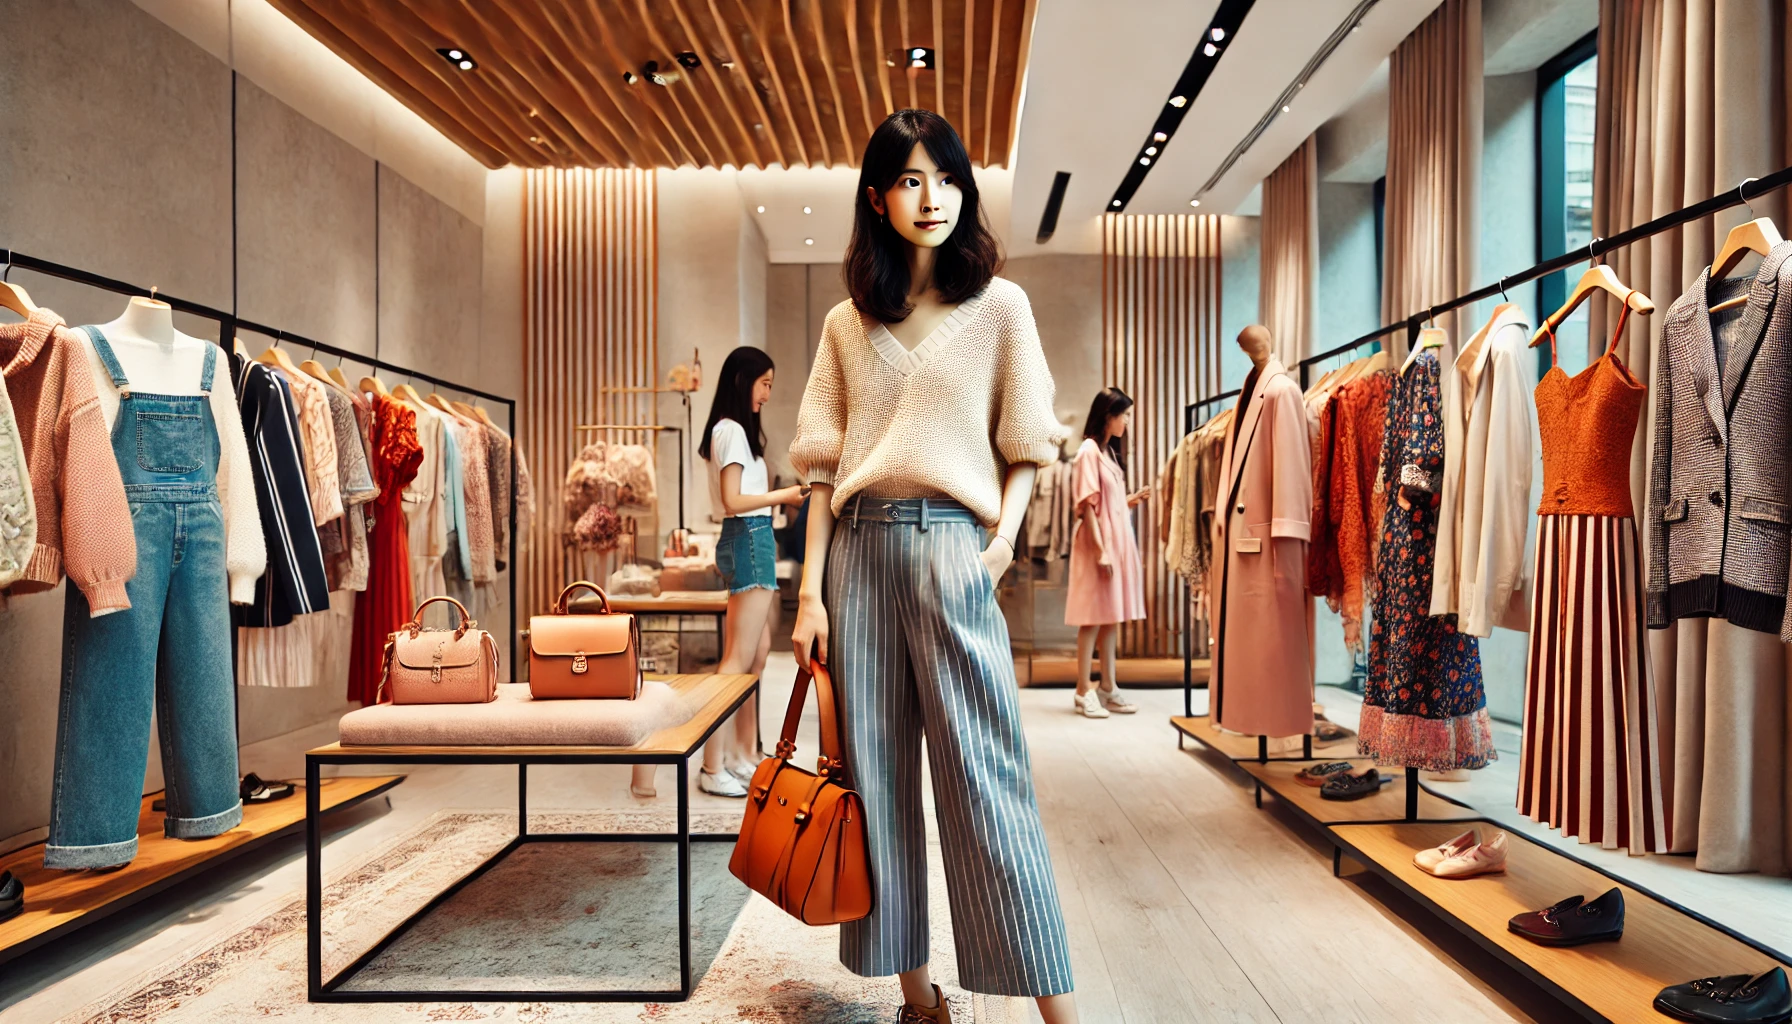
(1591, 765)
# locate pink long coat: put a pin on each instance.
(1263, 663)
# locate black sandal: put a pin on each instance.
(255, 791)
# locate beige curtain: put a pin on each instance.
(1692, 99)
(1289, 273)
(1432, 219)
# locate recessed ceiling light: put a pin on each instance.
(1144, 161)
(1159, 137)
(806, 210)
(1284, 108)
(457, 57)
(762, 209)
(1150, 150)
(1116, 202)
(1210, 49)
(1217, 33)
(808, 241)
(1179, 101)
(918, 57)
(1194, 202)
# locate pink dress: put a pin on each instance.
(1095, 598)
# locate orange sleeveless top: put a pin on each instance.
(1587, 422)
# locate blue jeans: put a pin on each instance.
(169, 652)
(747, 554)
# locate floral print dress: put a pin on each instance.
(1424, 706)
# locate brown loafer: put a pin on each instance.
(939, 1013)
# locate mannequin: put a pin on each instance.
(158, 358)
(1256, 343)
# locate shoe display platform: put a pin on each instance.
(1663, 943)
(59, 902)
(1200, 728)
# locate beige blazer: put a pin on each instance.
(1481, 573)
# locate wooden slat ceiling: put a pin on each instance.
(808, 81)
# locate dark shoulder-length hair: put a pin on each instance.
(876, 266)
(734, 398)
(1109, 402)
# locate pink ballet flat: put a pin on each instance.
(1484, 859)
(1428, 860)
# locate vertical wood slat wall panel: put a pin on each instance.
(1160, 325)
(590, 295)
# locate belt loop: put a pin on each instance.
(923, 515)
(856, 500)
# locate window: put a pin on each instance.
(1566, 90)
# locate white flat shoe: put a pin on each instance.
(722, 783)
(1428, 860)
(1113, 701)
(743, 770)
(1089, 705)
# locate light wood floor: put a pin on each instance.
(1184, 902)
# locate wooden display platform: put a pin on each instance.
(1059, 669)
(673, 602)
(1617, 981)
(1241, 748)
(1388, 805)
(58, 902)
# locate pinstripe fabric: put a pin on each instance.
(920, 647)
(1592, 759)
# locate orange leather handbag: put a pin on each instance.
(802, 842)
(440, 666)
(584, 656)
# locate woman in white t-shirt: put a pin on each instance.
(746, 555)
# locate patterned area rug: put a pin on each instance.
(551, 915)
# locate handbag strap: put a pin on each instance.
(416, 624)
(832, 764)
(560, 603)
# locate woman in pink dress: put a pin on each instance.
(1106, 578)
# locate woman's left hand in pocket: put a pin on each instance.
(997, 557)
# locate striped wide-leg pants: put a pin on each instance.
(919, 648)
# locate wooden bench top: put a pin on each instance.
(673, 602)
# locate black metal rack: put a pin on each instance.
(229, 323)
(1752, 188)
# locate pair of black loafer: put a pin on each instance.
(1575, 921)
(12, 896)
(1737, 999)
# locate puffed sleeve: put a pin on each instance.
(1027, 430)
(821, 420)
(1085, 476)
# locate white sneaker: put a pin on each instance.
(722, 783)
(1113, 701)
(743, 770)
(1089, 705)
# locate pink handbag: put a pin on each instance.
(440, 666)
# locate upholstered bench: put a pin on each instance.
(667, 724)
(515, 719)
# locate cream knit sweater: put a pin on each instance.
(943, 420)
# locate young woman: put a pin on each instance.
(734, 447)
(1106, 579)
(926, 414)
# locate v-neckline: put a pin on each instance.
(905, 360)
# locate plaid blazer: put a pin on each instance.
(1720, 515)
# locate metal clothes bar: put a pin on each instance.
(228, 323)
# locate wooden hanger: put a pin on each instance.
(484, 417)
(1598, 278)
(406, 393)
(16, 298)
(315, 370)
(340, 378)
(373, 385)
(1429, 338)
(1758, 235)
(277, 357)
(435, 399)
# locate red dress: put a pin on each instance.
(388, 601)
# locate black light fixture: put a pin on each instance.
(458, 57)
(630, 77)
(919, 57)
(690, 60)
(1208, 51)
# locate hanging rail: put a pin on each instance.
(228, 323)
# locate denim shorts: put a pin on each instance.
(747, 554)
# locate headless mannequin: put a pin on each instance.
(157, 358)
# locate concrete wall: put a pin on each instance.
(118, 160)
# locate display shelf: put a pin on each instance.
(1045, 669)
(1242, 748)
(1662, 945)
(1387, 805)
(59, 902)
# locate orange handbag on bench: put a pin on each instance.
(802, 842)
(584, 656)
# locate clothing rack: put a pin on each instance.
(1752, 188)
(229, 323)
(655, 427)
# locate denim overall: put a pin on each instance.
(168, 653)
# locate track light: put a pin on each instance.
(1217, 33)
(630, 77)
(1159, 137)
(1116, 202)
(458, 57)
(918, 57)
(1179, 101)
(690, 60)
(1284, 108)
(1194, 202)
(1150, 150)
(1144, 161)
(1210, 49)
